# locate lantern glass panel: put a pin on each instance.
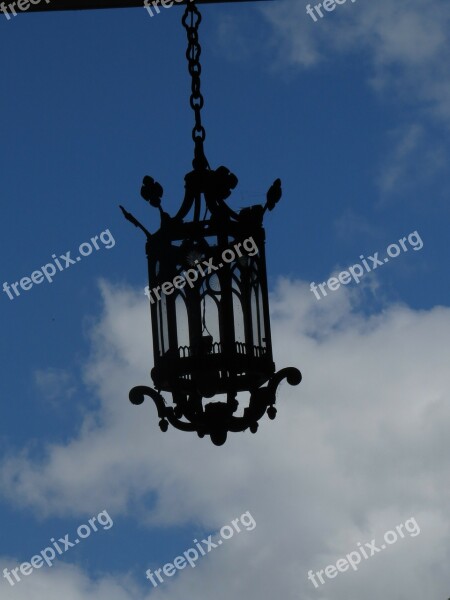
(159, 326)
(165, 322)
(210, 317)
(254, 308)
(239, 327)
(182, 321)
(262, 340)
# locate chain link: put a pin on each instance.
(191, 21)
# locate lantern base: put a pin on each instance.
(216, 418)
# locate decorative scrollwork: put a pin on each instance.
(216, 419)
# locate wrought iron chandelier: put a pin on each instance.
(211, 334)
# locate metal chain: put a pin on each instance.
(191, 21)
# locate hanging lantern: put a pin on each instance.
(208, 295)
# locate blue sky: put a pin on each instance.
(351, 112)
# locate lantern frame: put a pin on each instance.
(210, 363)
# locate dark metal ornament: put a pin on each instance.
(211, 335)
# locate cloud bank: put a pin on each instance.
(357, 448)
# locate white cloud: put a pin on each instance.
(65, 581)
(400, 49)
(54, 385)
(404, 44)
(413, 159)
(350, 224)
(357, 448)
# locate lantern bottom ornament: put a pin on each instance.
(216, 419)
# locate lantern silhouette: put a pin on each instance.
(208, 295)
